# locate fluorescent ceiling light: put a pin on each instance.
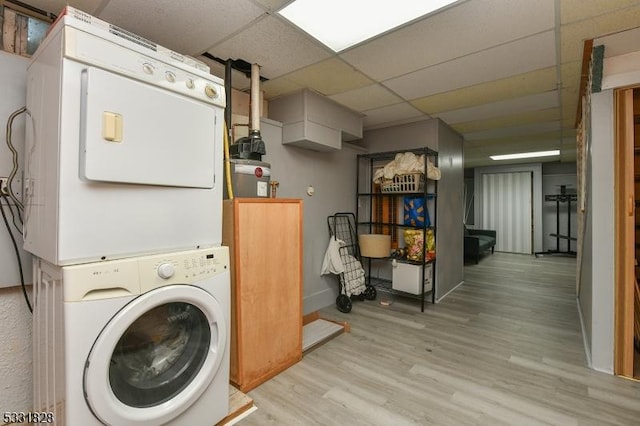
(526, 155)
(343, 23)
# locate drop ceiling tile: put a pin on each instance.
(465, 28)
(535, 142)
(481, 67)
(570, 73)
(572, 36)
(511, 87)
(570, 98)
(577, 10)
(532, 139)
(188, 27)
(278, 87)
(568, 123)
(392, 114)
(366, 98)
(330, 77)
(56, 6)
(512, 120)
(272, 5)
(535, 102)
(506, 132)
(275, 45)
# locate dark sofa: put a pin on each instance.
(477, 241)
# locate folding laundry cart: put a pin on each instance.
(352, 281)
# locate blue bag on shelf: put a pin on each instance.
(416, 212)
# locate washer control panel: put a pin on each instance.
(133, 276)
(184, 267)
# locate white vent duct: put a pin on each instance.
(255, 97)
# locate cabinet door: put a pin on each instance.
(269, 288)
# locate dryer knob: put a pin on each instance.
(166, 271)
(210, 91)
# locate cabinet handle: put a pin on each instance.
(630, 204)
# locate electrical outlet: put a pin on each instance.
(4, 189)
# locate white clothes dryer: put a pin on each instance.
(137, 341)
(123, 153)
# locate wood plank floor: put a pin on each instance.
(505, 348)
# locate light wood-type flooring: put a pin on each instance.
(505, 348)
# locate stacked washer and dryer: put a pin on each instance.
(123, 213)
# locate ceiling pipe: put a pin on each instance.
(255, 98)
(251, 147)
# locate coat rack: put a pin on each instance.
(561, 198)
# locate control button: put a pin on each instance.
(210, 91)
(147, 68)
(171, 77)
(166, 270)
(190, 83)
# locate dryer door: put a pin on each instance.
(156, 356)
(132, 132)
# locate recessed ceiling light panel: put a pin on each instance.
(525, 155)
(340, 24)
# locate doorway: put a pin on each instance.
(507, 208)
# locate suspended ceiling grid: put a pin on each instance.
(504, 73)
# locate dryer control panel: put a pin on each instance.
(147, 67)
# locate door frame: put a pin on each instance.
(624, 249)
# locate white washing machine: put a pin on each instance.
(123, 152)
(136, 341)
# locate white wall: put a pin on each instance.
(15, 319)
(596, 299)
(16, 359)
(597, 296)
(13, 89)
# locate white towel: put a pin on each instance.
(332, 263)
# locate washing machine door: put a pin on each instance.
(156, 356)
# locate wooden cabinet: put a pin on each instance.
(265, 243)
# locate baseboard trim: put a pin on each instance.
(449, 292)
(585, 339)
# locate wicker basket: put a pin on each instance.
(411, 182)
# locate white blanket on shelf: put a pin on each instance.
(405, 163)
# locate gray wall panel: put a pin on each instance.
(333, 177)
(435, 134)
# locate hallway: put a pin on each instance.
(504, 348)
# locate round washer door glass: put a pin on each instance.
(156, 356)
(159, 354)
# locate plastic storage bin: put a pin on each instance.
(406, 277)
